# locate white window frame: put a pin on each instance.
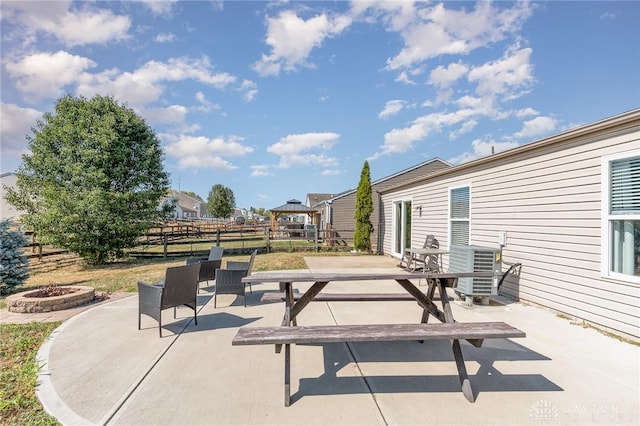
(394, 218)
(606, 218)
(449, 219)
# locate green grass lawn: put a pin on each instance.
(18, 373)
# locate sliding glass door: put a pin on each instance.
(401, 226)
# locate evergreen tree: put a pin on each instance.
(364, 208)
(14, 265)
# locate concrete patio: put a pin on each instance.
(98, 368)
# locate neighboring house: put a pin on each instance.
(340, 210)
(186, 207)
(318, 202)
(7, 210)
(567, 207)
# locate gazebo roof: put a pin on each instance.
(293, 206)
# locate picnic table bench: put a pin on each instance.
(290, 333)
(343, 297)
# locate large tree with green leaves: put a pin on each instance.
(93, 179)
(364, 208)
(221, 202)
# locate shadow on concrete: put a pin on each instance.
(487, 379)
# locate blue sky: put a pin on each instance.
(279, 99)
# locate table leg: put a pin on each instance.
(426, 303)
(289, 294)
(465, 383)
(305, 299)
(430, 293)
(287, 375)
(288, 301)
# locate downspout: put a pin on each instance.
(380, 216)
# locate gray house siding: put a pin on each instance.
(547, 197)
(343, 206)
(7, 211)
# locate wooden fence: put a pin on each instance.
(195, 238)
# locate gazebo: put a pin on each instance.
(292, 207)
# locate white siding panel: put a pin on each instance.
(548, 201)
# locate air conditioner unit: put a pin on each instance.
(464, 258)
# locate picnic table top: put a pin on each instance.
(304, 276)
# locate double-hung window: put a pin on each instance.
(459, 220)
(621, 217)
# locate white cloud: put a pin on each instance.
(71, 23)
(16, 123)
(481, 149)
(402, 140)
(403, 77)
(434, 30)
(293, 144)
(526, 112)
(165, 38)
(205, 105)
(465, 128)
(392, 107)
(159, 7)
(291, 147)
(250, 90)
(443, 78)
(331, 172)
(261, 170)
(45, 75)
(145, 85)
(183, 68)
(202, 152)
(538, 126)
(170, 114)
(509, 76)
(292, 39)
(319, 160)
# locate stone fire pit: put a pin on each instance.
(38, 301)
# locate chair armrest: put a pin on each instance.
(150, 290)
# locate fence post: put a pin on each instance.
(218, 237)
(165, 242)
(316, 232)
(268, 232)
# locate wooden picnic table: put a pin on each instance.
(289, 332)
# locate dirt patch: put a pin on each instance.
(51, 291)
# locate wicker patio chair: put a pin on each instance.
(216, 253)
(246, 266)
(229, 281)
(180, 287)
(207, 269)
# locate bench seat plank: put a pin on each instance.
(344, 297)
(373, 333)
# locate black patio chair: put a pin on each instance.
(207, 269)
(229, 281)
(180, 287)
(246, 266)
(216, 253)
